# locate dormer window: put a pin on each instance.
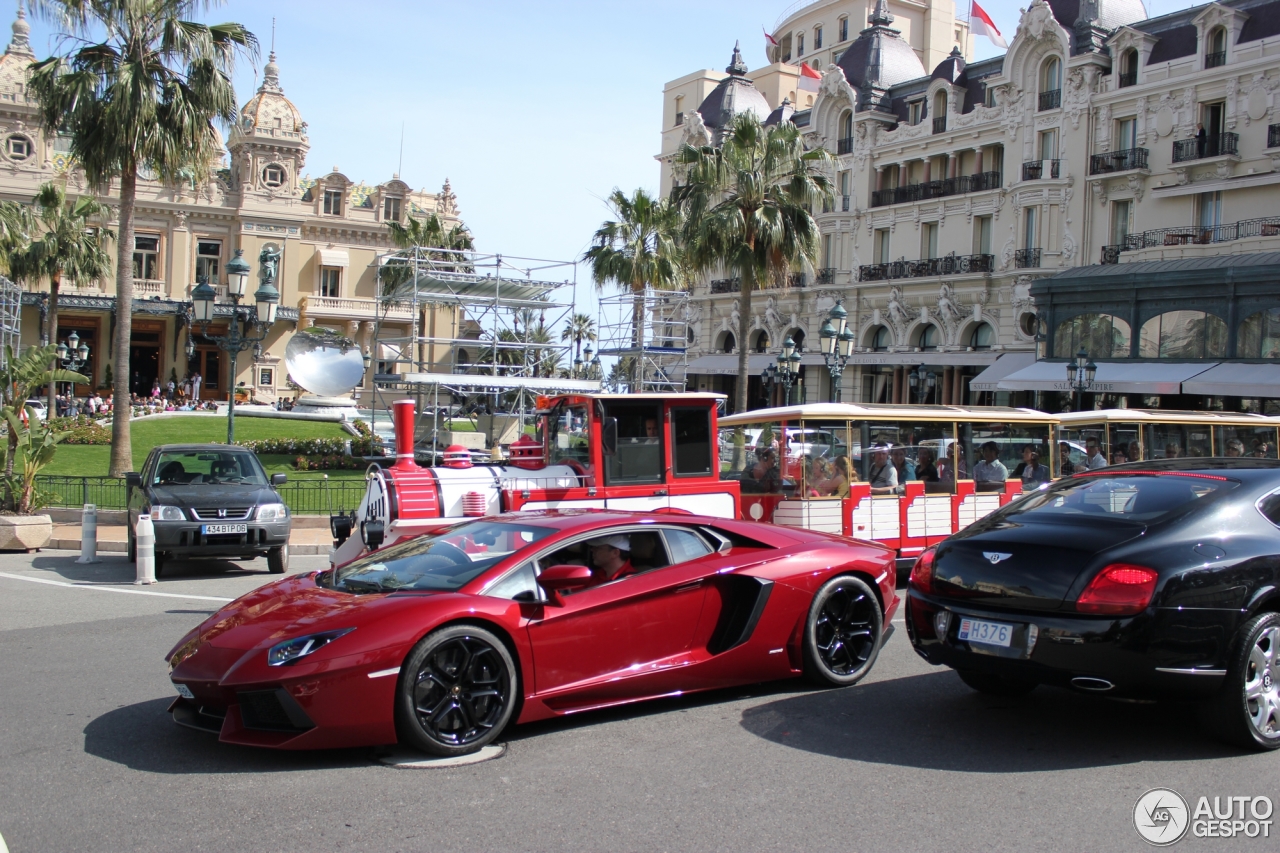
(1051, 84)
(391, 209)
(915, 112)
(273, 175)
(1128, 68)
(1216, 48)
(333, 202)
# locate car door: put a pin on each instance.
(594, 646)
(137, 496)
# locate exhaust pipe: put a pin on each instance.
(1093, 685)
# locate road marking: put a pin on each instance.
(102, 588)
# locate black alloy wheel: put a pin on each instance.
(1246, 712)
(457, 691)
(842, 633)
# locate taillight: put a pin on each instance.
(1121, 589)
(922, 572)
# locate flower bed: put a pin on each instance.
(331, 462)
(83, 430)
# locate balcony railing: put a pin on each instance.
(925, 267)
(940, 124)
(826, 275)
(1215, 59)
(1210, 146)
(1118, 161)
(936, 189)
(844, 203)
(1050, 100)
(1201, 235)
(343, 306)
(1025, 259)
(1111, 254)
(150, 287)
(1034, 170)
(734, 285)
(1128, 78)
(844, 146)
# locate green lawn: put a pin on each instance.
(79, 460)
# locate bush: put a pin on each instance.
(361, 445)
(332, 462)
(82, 430)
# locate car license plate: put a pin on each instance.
(214, 529)
(981, 631)
(184, 691)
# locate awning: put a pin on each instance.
(727, 364)
(1003, 366)
(334, 258)
(1123, 377)
(1236, 380)
(389, 352)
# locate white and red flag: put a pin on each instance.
(980, 24)
(810, 79)
(769, 40)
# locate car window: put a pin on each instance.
(1138, 497)
(522, 580)
(206, 466)
(1269, 506)
(686, 545)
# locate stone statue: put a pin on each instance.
(948, 310)
(899, 315)
(268, 264)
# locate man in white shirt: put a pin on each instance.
(883, 477)
(1096, 459)
(990, 470)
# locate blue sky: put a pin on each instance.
(534, 111)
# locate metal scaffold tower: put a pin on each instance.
(472, 329)
(648, 334)
(10, 317)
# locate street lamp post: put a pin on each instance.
(72, 355)
(788, 368)
(837, 345)
(1080, 375)
(922, 382)
(246, 328)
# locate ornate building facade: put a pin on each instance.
(330, 231)
(969, 194)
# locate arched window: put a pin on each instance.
(462, 360)
(817, 37)
(939, 103)
(844, 29)
(1051, 83)
(930, 337)
(846, 125)
(1183, 334)
(727, 342)
(880, 340)
(799, 44)
(983, 336)
(1101, 335)
(1215, 48)
(1259, 335)
(1128, 68)
(762, 342)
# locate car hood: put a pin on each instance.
(212, 494)
(1023, 565)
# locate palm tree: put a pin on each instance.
(145, 97)
(68, 247)
(16, 225)
(748, 209)
(419, 234)
(637, 250)
(581, 327)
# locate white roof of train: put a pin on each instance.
(887, 412)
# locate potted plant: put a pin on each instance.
(30, 447)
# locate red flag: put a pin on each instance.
(810, 79)
(770, 40)
(980, 24)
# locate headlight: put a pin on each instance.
(167, 513)
(300, 647)
(273, 512)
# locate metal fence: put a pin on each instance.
(303, 496)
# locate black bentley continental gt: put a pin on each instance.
(1147, 580)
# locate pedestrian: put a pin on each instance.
(196, 379)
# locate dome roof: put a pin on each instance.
(951, 69)
(269, 108)
(733, 96)
(14, 64)
(878, 57)
(782, 114)
(1111, 13)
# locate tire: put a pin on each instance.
(996, 685)
(1247, 710)
(132, 546)
(842, 632)
(159, 561)
(278, 560)
(458, 689)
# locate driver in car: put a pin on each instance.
(611, 557)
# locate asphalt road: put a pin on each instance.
(908, 760)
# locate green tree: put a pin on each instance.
(748, 209)
(638, 249)
(69, 246)
(145, 96)
(579, 328)
(28, 446)
(416, 238)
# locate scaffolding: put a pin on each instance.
(10, 319)
(649, 335)
(500, 349)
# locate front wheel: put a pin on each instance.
(457, 691)
(842, 632)
(1247, 710)
(278, 560)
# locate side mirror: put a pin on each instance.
(609, 436)
(557, 579)
(279, 479)
(133, 480)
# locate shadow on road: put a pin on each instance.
(935, 722)
(144, 737)
(115, 568)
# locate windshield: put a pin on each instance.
(208, 466)
(442, 561)
(1135, 497)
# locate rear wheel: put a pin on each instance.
(457, 691)
(1247, 710)
(842, 632)
(159, 560)
(996, 685)
(278, 560)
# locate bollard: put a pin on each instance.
(89, 535)
(144, 538)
